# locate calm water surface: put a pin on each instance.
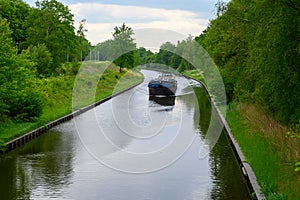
(131, 147)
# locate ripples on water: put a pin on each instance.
(123, 134)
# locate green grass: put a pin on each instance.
(195, 73)
(272, 165)
(270, 153)
(58, 98)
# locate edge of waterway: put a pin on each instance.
(27, 137)
(245, 167)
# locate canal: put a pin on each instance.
(130, 147)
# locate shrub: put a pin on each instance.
(25, 105)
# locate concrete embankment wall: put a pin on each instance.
(20, 141)
(244, 165)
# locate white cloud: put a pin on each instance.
(102, 18)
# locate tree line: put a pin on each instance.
(256, 45)
(35, 43)
(123, 51)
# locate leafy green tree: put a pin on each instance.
(83, 42)
(19, 96)
(188, 54)
(124, 47)
(6, 44)
(51, 23)
(41, 57)
(105, 50)
(15, 12)
(164, 56)
(256, 47)
(144, 56)
(6, 51)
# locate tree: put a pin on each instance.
(19, 96)
(144, 56)
(6, 44)
(124, 47)
(41, 57)
(256, 47)
(51, 23)
(15, 12)
(164, 56)
(83, 42)
(105, 50)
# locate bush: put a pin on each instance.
(25, 104)
(70, 68)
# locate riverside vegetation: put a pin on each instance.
(268, 149)
(40, 55)
(255, 45)
(57, 98)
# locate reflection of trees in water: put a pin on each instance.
(187, 100)
(199, 103)
(44, 165)
(7, 178)
(203, 109)
(228, 182)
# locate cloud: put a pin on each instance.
(102, 18)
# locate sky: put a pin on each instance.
(173, 19)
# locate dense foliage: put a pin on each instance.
(19, 96)
(35, 42)
(45, 33)
(121, 50)
(256, 46)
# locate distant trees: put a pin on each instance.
(84, 44)
(181, 56)
(124, 47)
(121, 49)
(144, 56)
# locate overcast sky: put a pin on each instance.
(181, 16)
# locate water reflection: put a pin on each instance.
(225, 174)
(58, 165)
(42, 168)
(163, 100)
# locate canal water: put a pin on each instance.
(131, 147)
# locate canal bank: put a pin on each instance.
(57, 105)
(22, 140)
(72, 162)
(245, 167)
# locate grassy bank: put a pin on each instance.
(58, 93)
(195, 73)
(270, 153)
